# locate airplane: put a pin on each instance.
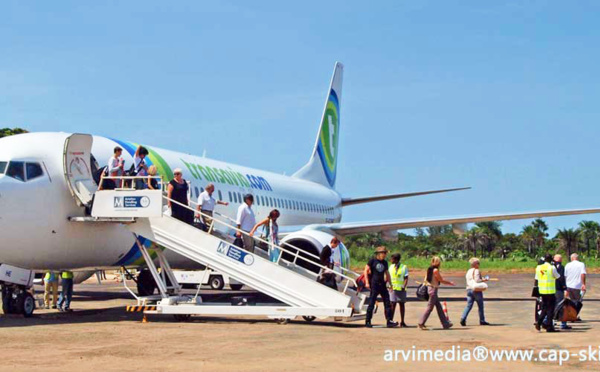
(39, 208)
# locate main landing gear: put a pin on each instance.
(17, 300)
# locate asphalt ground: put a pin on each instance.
(100, 335)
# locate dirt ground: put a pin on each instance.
(99, 335)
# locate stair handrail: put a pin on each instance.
(295, 254)
(289, 244)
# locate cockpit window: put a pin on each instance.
(33, 170)
(16, 170)
(3, 165)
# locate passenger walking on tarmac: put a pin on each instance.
(271, 233)
(177, 198)
(245, 221)
(64, 302)
(115, 169)
(140, 168)
(399, 278)
(433, 280)
(475, 290)
(576, 279)
(561, 285)
(546, 275)
(151, 182)
(206, 204)
(50, 288)
(377, 277)
(327, 276)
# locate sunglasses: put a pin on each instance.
(177, 174)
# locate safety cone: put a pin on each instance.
(144, 319)
(445, 306)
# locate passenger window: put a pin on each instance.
(3, 165)
(16, 170)
(197, 192)
(262, 199)
(33, 170)
(230, 198)
(257, 200)
(220, 195)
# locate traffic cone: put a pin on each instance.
(445, 306)
(144, 319)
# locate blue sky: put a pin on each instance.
(500, 96)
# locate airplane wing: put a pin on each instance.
(352, 228)
(369, 199)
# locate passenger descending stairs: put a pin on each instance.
(267, 277)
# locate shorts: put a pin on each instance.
(398, 296)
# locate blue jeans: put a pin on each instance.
(472, 297)
(64, 300)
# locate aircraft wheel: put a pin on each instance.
(27, 304)
(216, 282)
(309, 318)
(7, 301)
(236, 287)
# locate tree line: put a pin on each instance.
(485, 240)
(5, 132)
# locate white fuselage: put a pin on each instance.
(35, 231)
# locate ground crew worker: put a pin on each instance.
(546, 275)
(50, 288)
(399, 278)
(377, 277)
(64, 302)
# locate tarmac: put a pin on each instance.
(100, 335)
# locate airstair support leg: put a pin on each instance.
(161, 285)
(165, 268)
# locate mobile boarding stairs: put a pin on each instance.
(283, 280)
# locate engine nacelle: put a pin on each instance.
(312, 242)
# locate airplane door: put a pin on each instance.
(77, 167)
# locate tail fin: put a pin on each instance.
(322, 165)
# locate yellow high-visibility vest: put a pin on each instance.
(50, 276)
(398, 276)
(546, 281)
(67, 275)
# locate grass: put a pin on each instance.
(493, 264)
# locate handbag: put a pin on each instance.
(423, 292)
(478, 286)
(535, 292)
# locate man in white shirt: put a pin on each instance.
(576, 278)
(115, 169)
(245, 221)
(206, 204)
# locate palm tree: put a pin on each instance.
(568, 240)
(529, 235)
(589, 231)
(541, 227)
(472, 239)
(492, 232)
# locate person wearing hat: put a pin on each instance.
(245, 221)
(377, 278)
